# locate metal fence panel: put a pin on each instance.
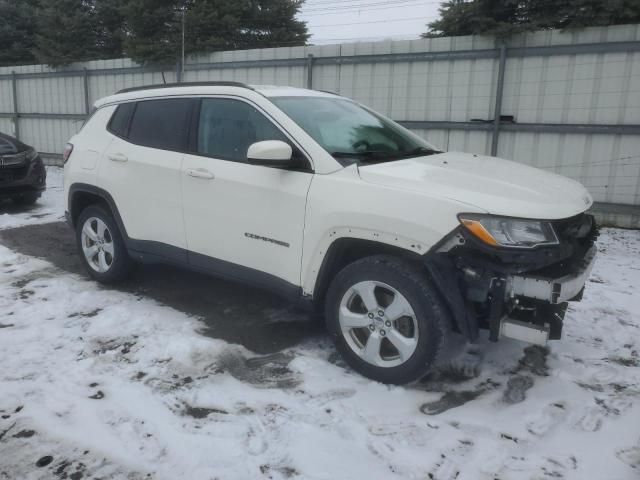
(574, 96)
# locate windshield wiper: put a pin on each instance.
(419, 151)
(365, 154)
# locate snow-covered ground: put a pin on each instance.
(97, 383)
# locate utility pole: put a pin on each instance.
(184, 9)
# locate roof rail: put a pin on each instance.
(185, 84)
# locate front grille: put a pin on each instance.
(13, 167)
(14, 160)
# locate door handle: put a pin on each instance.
(117, 157)
(200, 173)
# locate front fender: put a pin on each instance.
(313, 262)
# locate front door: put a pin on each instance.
(243, 220)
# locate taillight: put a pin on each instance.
(67, 152)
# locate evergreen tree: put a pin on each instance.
(65, 32)
(17, 32)
(505, 17)
(154, 27)
(153, 30)
(109, 29)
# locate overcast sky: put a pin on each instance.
(337, 21)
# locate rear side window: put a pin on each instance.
(120, 120)
(161, 123)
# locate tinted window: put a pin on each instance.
(228, 127)
(6, 147)
(120, 120)
(160, 123)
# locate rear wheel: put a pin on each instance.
(386, 319)
(101, 246)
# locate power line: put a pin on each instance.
(400, 36)
(373, 21)
(364, 6)
(338, 4)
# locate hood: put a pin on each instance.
(494, 185)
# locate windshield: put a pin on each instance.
(351, 132)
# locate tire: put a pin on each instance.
(111, 262)
(26, 199)
(422, 330)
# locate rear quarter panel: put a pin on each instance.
(88, 146)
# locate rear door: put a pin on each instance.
(141, 170)
(243, 220)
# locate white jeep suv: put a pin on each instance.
(319, 198)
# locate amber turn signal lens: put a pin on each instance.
(479, 231)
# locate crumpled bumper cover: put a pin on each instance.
(553, 290)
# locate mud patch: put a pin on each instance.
(516, 391)
(202, 412)
(453, 399)
(268, 371)
(44, 461)
(457, 370)
(6, 325)
(123, 345)
(633, 361)
(89, 314)
(630, 456)
(286, 472)
(534, 361)
(24, 294)
(24, 434)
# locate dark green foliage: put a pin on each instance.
(109, 27)
(153, 30)
(505, 17)
(59, 32)
(219, 24)
(17, 28)
(155, 26)
(65, 32)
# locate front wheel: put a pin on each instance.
(101, 246)
(386, 319)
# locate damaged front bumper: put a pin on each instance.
(554, 290)
(521, 295)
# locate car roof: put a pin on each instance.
(207, 88)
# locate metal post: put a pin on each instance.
(16, 114)
(85, 79)
(182, 57)
(310, 71)
(498, 106)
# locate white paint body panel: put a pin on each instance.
(283, 222)
(497, 186)
(229, 217)
(146, 190)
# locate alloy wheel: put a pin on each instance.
(378, 324)
(97, 244)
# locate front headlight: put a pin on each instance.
(509, 232)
